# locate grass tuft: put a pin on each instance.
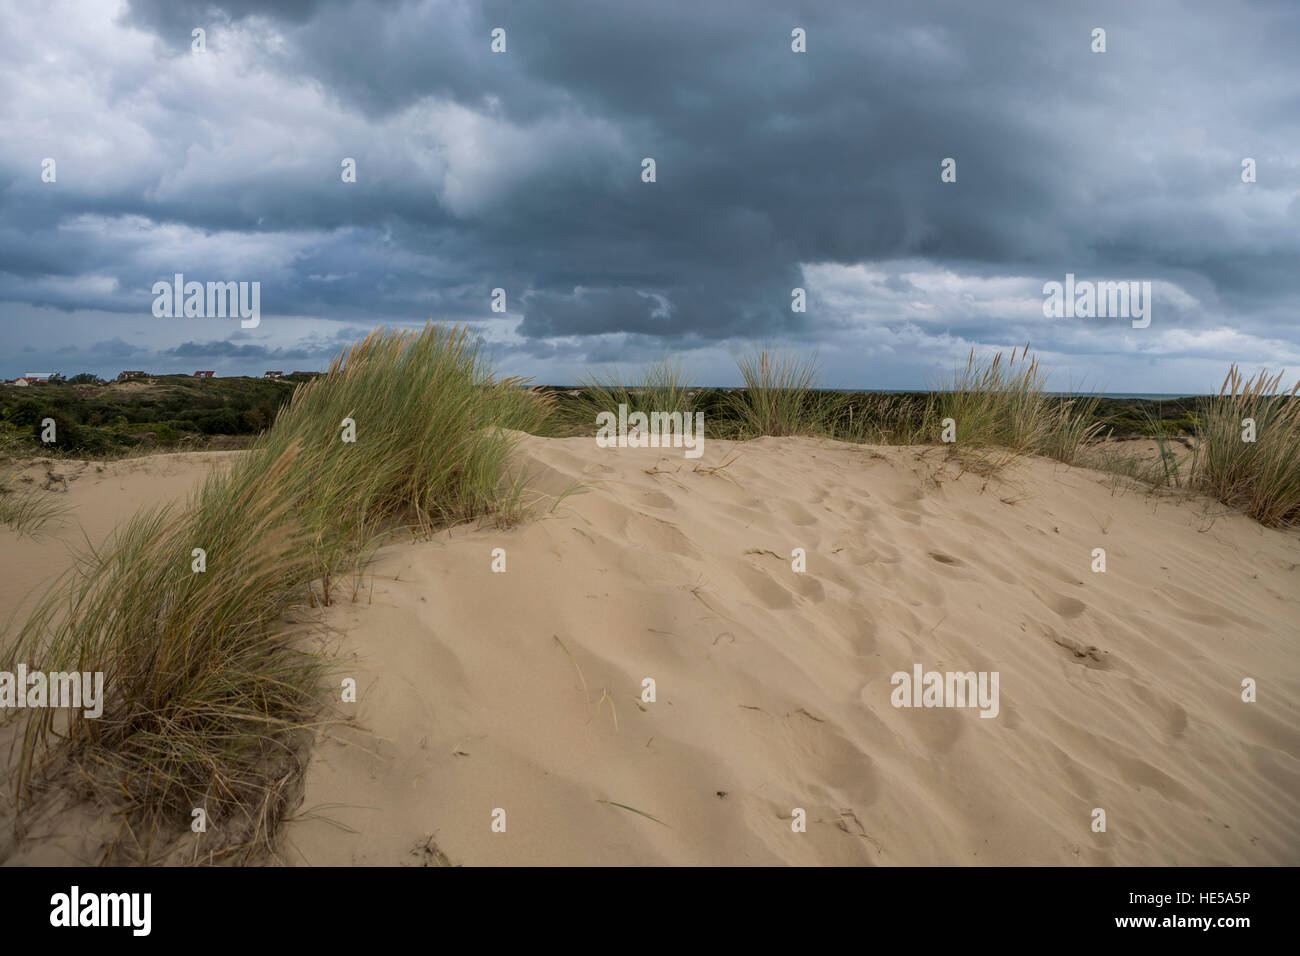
(1261, 477)
(662, 389)
(29, 511)
(779, 397)
(211, 690)
(1004, 405)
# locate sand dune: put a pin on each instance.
(99, 496)
(522, 690)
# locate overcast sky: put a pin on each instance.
(775, 170)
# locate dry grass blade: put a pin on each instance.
(624, 806)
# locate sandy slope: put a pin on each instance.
(99, 496)
(1118, 690)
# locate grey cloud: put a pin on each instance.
(521, 171)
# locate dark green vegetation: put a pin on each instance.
(177, 412)
(169, 412)
(896, 416)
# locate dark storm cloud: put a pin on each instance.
(227, 350)
(116, 348)
(522, 171)
(180, 16)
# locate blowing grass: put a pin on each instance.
(662, 388)
(998, 404)
(1072, 426)
(1002, 408)
(212, 688)
(1262, 476)
(29, 511)
(884, 419)
(779, 397)
(1161, 471)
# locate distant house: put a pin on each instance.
(273, 375)
(37, 377)
(204, 374)
(127, 376)
(21, 382)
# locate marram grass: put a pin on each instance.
(780, 397)
(662, 388)
(29, 510)
(211, 685)
(1005, 406)
(1247, 451)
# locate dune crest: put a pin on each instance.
(522, 691)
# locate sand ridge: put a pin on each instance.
(521, 691)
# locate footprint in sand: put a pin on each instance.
(659, 535)
(830, 758)
(794, 513)
(1066, 607)
(657, 499)
(1087, 654)
(762, 586)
